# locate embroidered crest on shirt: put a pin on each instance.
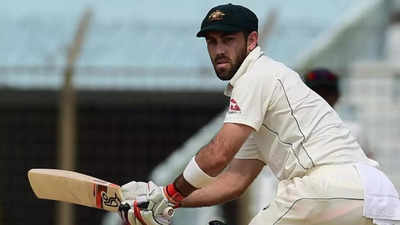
(233, 106)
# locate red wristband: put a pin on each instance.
(173, 194)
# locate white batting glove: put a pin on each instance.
(133, 189)
(154, 207)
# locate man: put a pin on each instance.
(273, 119)
(325, 83)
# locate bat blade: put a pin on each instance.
(76, 188)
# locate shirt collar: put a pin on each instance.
(246, 64)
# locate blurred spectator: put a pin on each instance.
(326, 83)
(392, 43)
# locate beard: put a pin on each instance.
(233, 65)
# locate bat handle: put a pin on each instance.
(124, 207)
(169, 212)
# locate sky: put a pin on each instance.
(123, 32)
(143, 35)
(158, 10)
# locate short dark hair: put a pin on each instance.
(246, 34)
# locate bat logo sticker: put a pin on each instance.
(103, 199)
(110, 201)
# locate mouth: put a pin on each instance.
(222, 66)
(222, 61)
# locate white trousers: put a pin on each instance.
(326, 195)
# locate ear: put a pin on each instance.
(252, 40)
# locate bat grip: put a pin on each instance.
(168, 212)
(124, 207)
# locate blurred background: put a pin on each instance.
(123, 90)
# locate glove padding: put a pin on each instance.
(133, 189)
(150, 205)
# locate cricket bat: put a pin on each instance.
(76, 188)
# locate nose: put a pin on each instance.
(220, 49)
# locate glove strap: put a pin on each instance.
(173, 195)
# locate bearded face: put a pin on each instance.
(227, 52)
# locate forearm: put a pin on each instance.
(213, 158)
(209, 160)
(228, 186)
(218, 192)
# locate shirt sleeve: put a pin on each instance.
(250, 98)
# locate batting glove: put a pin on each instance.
(133, 189)
(155, 207)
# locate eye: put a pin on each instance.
(229, 38)
(210, 41)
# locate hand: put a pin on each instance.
(133, 189)
(151, 205)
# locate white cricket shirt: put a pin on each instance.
(295, 129)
